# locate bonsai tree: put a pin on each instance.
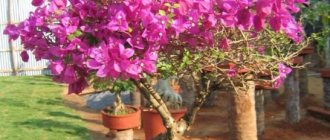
(216, 42)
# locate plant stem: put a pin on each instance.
(174, 128)
(118, 104)
(159, 105)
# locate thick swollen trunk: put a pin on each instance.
(326, 89)
(242, 113)
(327, 53)
(303, 82)
(274, 94)
(260, 101)
(291, 88)
(326, 80)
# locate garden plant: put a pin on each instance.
(317, 23)
(120, 43)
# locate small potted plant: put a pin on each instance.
(120, 117)
(151, 119)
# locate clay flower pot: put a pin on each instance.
(297, 60)
(122, 122)
(307, 50)
(264, 85)
(153, 124)
(325, 73)
(265, 74)
(232, 65)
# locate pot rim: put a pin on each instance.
(137, 110)
(182, 109)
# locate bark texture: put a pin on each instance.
(291, 89)
(327, 53)
(326, 89)
(303, 82)
(260, 102)
(267, 97)
(242, 113)
(274, 94)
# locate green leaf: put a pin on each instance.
(71, 36)
(162, 12)
(77, 33)
(176, 5)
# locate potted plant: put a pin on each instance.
(119, 117)
(135, 41)
(316, 21)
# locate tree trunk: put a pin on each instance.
(327, 53)
(326, 89)
(326, 81)
(260, 102)
(242, 113)
(303, 82)
(267, 97)
(274, 94)
(291, 88)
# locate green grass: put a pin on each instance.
(31, 108)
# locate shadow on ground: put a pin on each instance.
(52, 125)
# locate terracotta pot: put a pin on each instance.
(264, 85)
(122, 122)
(266, 74)
(153, 124)
(307, 50)
(325, 73)
(297, 60)
(232, 65)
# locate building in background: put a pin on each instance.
(14, 11)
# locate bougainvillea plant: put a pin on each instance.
(103, 41)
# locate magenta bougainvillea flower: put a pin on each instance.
(37, 2)
(283, 71)
(12, 31)
(231, 72)
(25, 56)
(121, 39)
(224, 44)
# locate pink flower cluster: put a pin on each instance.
(284, 71)
(122, 38)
